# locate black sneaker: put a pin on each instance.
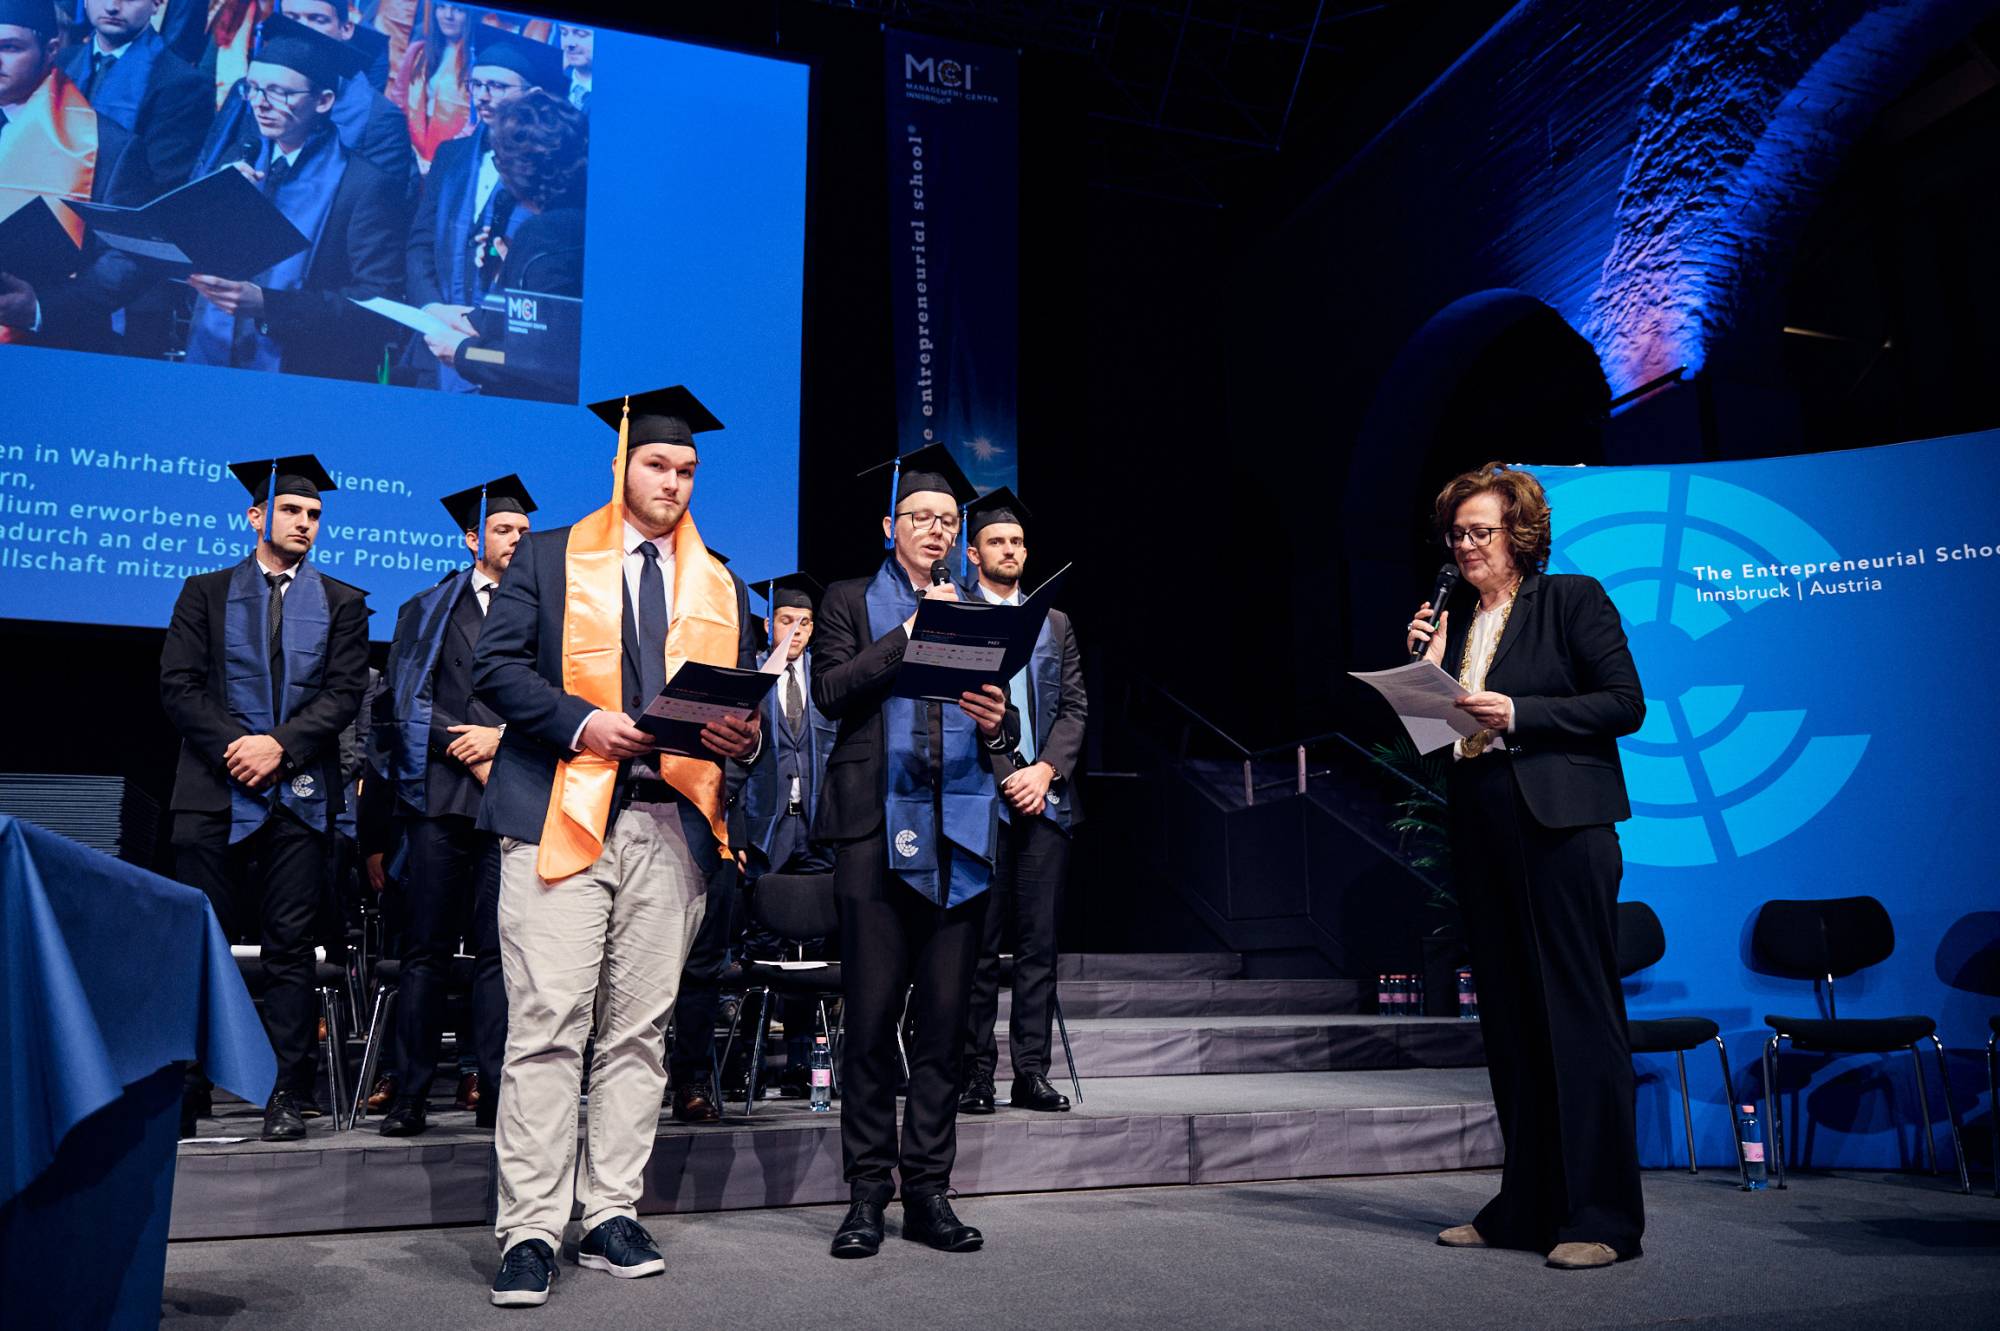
(526, 1273)
(621, 1246)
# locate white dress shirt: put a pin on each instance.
(482, 588)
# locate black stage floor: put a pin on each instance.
(1869, 1251)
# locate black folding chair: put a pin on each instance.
(330, 986)
(1641, 943)
(1826, 940)
(795, 907)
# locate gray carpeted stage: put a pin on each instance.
(1832, 1252)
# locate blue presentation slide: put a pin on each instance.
(1814, 635)
(113, 483)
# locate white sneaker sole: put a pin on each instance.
(520, 1298)
(653, 1268)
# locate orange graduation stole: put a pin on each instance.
(48, 150)
(704, 628)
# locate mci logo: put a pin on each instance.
(1728, 761)
(523, 308)
(938, 73)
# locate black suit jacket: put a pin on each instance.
(450, 789)
(517, 671)
(1564, 662)
(852, 675)
(193, 695)
(425, 265)
(359, 255)
(1061, 709)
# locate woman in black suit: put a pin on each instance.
(1533, 797)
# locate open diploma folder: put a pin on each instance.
(221, 225)
(1423, 696)
(34, 247)
(699, 693)
(956, 646)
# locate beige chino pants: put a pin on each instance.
(605, 945)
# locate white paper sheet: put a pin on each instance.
(1423, 696)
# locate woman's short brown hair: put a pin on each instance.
(541, 147)
(1524, 508)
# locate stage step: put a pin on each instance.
(1200, 997)
(1148, 966)
(1210, 1045)
(1153, 1130)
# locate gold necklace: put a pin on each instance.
(1475, 744)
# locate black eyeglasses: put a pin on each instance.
(1477, 537)
(270, 96)
(945, 522)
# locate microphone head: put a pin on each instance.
(940, 573)
(1448, 575)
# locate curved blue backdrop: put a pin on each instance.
(1815, 638)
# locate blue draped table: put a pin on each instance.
(110, 978)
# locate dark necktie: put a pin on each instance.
(652, 616)
(277, 584)
(276, 174)
(795, 702)
(99, 62)
(484, 594)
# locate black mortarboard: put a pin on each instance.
(930, 468)
(538, 63)
(37, 16)
(470, 507)
(267, 478)
(800, 591)
(663, 416)
(998, 505)
(323, 60)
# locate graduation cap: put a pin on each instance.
(267, 478)
(324, 61)
(538, 63)
(470, 507)
(663, 416)
(37, 16)
(930, 468)
(797, 591)
(997, 505)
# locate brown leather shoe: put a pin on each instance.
(384, 1095)
(1462, 1236)
(468, 1092)
(692, 1105)
(1582, 1256)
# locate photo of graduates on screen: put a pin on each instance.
(389, 191)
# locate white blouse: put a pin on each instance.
(1480, 641)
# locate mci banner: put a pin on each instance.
(954, 240)
(1817, 643)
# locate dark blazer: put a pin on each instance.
(450, 789)
(1061, 707)
(193, 696)
(517, 671)
(358, 253)
(426, 260)
(852, 674)
(1564, 662)
(175, 105)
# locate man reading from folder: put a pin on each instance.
(296, 316)
(606, 845)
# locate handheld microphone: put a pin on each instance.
(1447, 579)
(940, 573)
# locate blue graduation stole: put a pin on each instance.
(411, 681)
(305, 198)
(123, 87)
(970, 801)
(248, 689)
(1044, 665)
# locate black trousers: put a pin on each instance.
(1027, 893)
(1541, 916)
(268, 889)
(691, 1059)
(450, 892)
(892, 942)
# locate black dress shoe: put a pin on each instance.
(930, 1220)
(407, 1117)
(1034, 1092)
(860, 1233)
(281, 1118)
(977, 1097)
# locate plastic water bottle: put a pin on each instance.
(1415, 1006)
(1468, 997)
(1382, 1003)
(822, 1076)
(1399, 994)
(1753, 1147)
